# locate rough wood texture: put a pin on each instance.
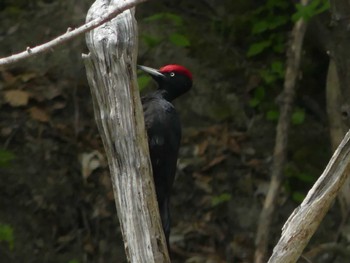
(304, 221)
(111, 72)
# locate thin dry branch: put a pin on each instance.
(304, 221)
(337, 249)
(70, 34)
(280, 151)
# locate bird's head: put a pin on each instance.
(174, 79)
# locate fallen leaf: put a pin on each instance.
(202, 147)
(16, 98)
(8, 77)
(215, 162)
(234, 146)
(25, 77)
(38, 114)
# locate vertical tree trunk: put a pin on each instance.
(111, 72)
(280, 150)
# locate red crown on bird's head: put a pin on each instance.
(176, 68)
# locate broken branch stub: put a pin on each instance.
(111, 73)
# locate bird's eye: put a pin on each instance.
(172, 74)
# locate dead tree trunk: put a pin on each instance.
(111, 72)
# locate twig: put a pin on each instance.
(279, 155)
(70, 34)
(328, 247)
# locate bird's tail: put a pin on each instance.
(166, 220)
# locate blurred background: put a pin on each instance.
(56, 200)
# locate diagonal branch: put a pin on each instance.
(305, 219)
(70, 34)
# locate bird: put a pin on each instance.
(163, 128)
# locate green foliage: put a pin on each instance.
(219, 199)
(298, 196)
(314, 8)
(6, 234)
(177, 20)
(268, 38)
(73, 261)
(143, 80)
(258, 47)
(174, 33)
(179, 40)
(272, 115)
(259, 95)
(298, 181)
(298, 116)
(268, 28)
(5, 157)
(270, 24)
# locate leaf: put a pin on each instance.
(16, 98)
(278, 68)
(217, 200)
(258, 47)
(254, 102)
(151, 41)
(308, 11)
(6, 234)
(298, 116)
(272, 115)
(260, 27)
(277, 21)
(143, 81)
(298, 196)
(214, 162)
(177, 20)
(154, 17)
(267, 76)
(38, 114)
(179, 40)
(5, 157)
(305, 177)
(259, 95)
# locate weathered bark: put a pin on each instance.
(304, 221)
(280, 151)
(111, 72)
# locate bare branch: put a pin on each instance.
(304, 221)
(70, 34)
(280, 151)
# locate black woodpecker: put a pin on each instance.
(164, 131)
